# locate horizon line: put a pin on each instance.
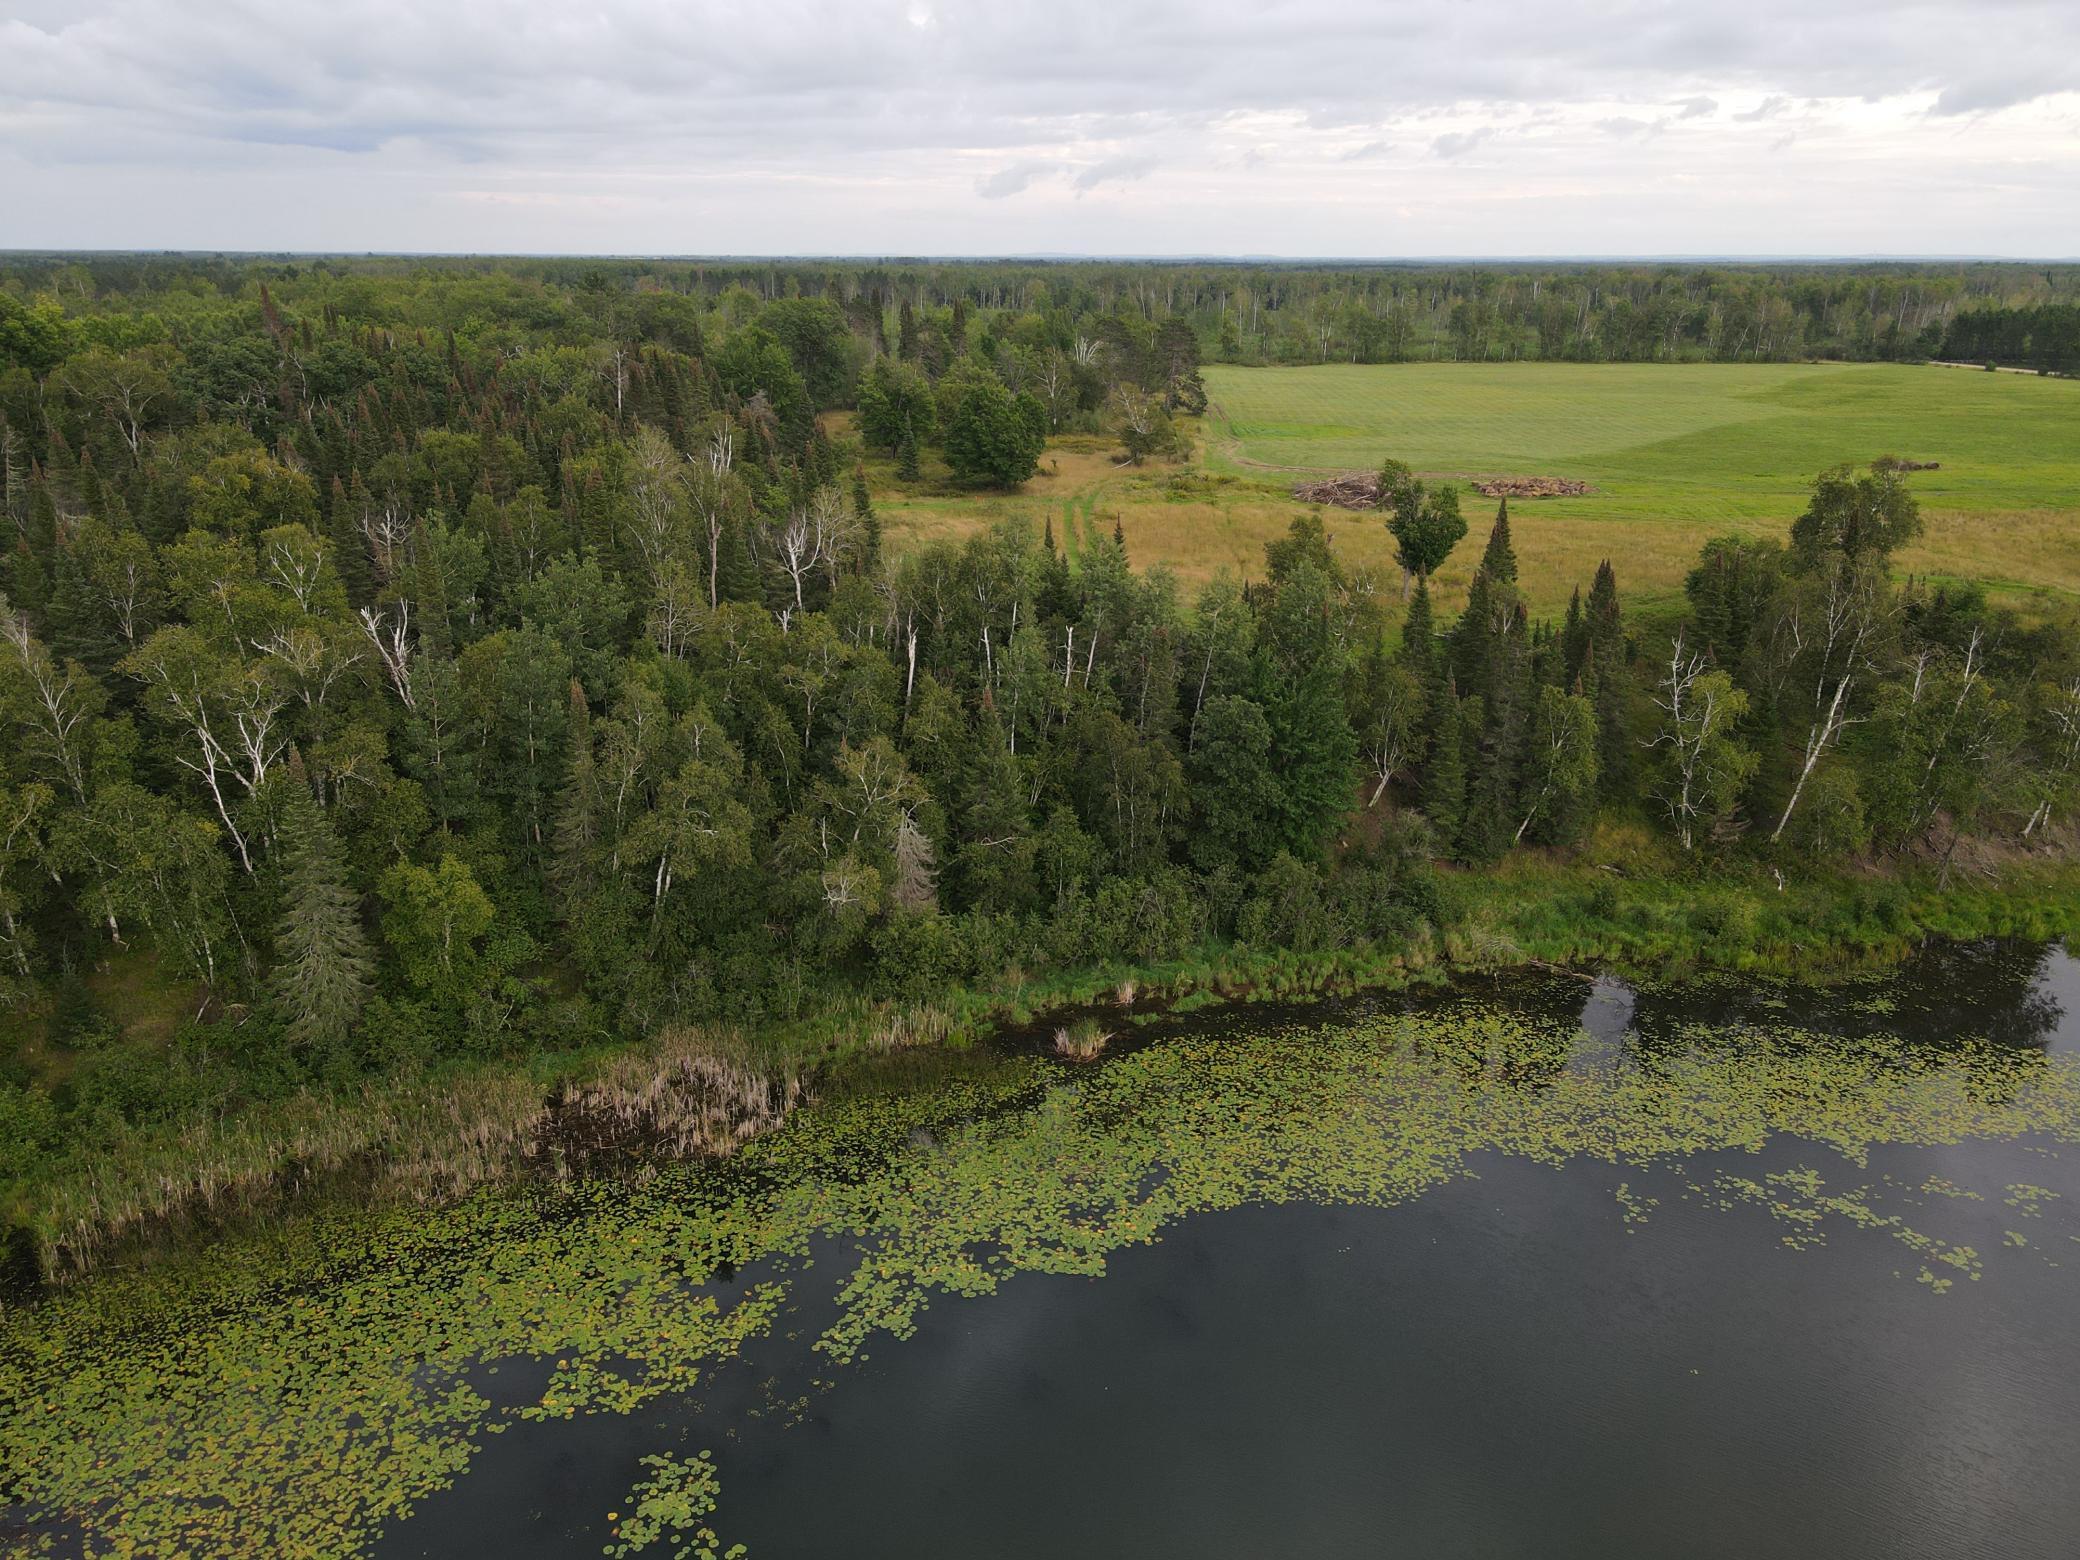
(1055, 257)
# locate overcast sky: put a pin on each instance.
(1314, 127)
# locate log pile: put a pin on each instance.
(1530, 487)
(1360, 489)
(1352, 490)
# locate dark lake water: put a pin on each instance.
(1533, 1360)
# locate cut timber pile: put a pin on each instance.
(1352, 490)
(1360, 489)
(1530, 487)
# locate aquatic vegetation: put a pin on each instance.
(150, 1412)
(667, 1507)
(1082, 1040)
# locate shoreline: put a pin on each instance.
(701, 1091)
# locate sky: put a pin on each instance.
(1118, 127)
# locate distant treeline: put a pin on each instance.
(1248, 312)
(2045, 337)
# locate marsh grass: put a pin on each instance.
(1082, 1040)
(427, 1137)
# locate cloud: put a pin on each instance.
(155, 121)
(1012, 180)
(1987, 94)
(1115, 170)
(1458, 143)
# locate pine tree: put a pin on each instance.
(577, 812)
(869, 524)
(1606, 633)
(1499, 562)
(1499, 746)
(349, 548)
(1444, 775)
(77, 626)
(91, 497)
(1574, 636)
(322, 969)
(1468, 646)
(1419, 636)
(736, 578)
(908, 468)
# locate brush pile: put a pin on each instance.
(1352, 490)
(1530, 487)
(1360, 489)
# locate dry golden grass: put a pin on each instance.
(1199, 525)
(2022, 556)
(1214, 512)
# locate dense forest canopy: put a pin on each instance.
(1240, 312)
(415, 660)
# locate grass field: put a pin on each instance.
(1674, 454)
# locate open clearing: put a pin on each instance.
(1673, 454)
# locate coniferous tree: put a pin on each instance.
(1499, 562)
(577, 811)
(869, 562)
(1574, 637)
(1605, 627)
(1444, 775)
(323, 972)
(1419, 634)
(349, 548)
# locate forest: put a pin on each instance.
(410, 665)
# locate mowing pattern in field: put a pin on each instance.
(1677, 452)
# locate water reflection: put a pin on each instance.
(2024, 996)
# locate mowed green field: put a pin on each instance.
(1676, 453)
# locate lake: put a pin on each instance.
(1529, 1266)
(1518, 1361)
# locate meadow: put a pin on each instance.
(1673, 454)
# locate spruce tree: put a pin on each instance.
(908, 468)
(1606, 633)
(1444, 775)
(1468, 646)
(577, 812)
(736, 578)
(1419, 636)
(869, 524)
(1499, 562)
(1574, 636)
(321, 977)
(349, 548)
